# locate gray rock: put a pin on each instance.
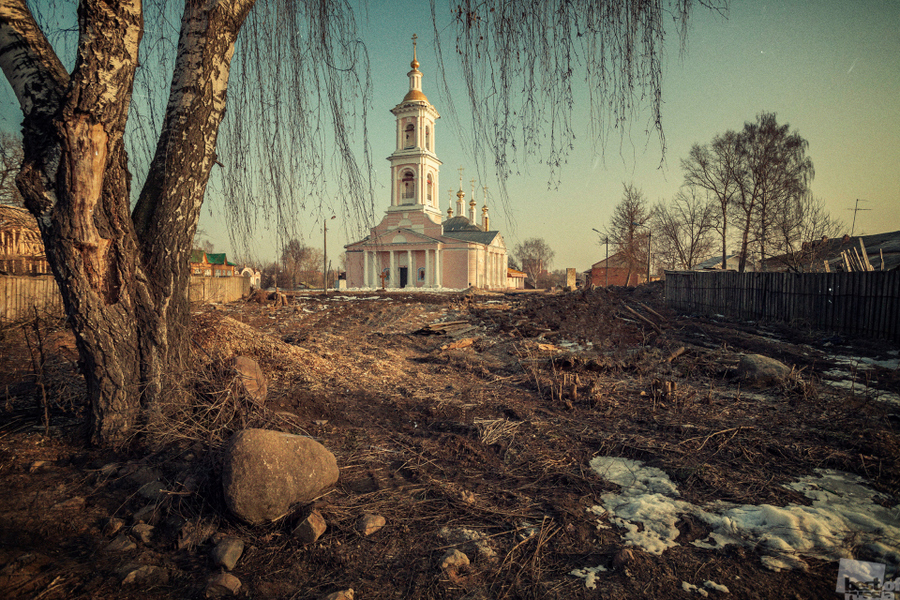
(265, 473)
(194, 533)
(152, 490)
(146, 514)
(122, 543)
(453, 560)
(311, 528)
(143, 475)
(147, 575)
(341, 595)
(221, 585)
(762, 370)
(113, 526)
(249, 379)
(227, 552)
(142, 532)
(368, 524)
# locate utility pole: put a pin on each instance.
(606, 271)
(855, 210)
(325, 256)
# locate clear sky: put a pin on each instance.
(829, 69)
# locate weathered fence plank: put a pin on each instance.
(858, 303)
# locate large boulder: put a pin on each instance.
(265, 473)
(762, 370)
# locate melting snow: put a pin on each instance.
(843, 510)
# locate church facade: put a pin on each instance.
(413, 246)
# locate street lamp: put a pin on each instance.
(606, 239)
(649, 246)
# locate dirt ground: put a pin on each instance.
(447, 413)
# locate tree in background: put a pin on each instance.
(799, 232)
(713, 169)
(629, 232)
(772, 175)
(683, 230)
(123, 272)
(10, 162)
(536, 258)
(301, 264)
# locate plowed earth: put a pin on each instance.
(487, 425)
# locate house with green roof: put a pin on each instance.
(211, 265)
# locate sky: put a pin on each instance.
(831, 70)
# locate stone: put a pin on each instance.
(142, 532)
(311, 528)
(265, 473)
(113, 526)
(227, 552)
(147, 575)
(152, 490)
(341, 595)
(122, 543)
(453, 560)
(368, 524)
(145, 514)
(194, 533)
(144, 475)
(222, 585)
(762, 370)
(249, 379)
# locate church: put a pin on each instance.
(413, 246)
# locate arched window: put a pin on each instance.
(428, 138)
(429, 188)
(408, 187)
(409, 136)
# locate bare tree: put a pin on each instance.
(10, 162)
(535, 256)
(799, 232)
(684, 229)
(302, 75)
(773, 172)
(629, 231)
(713, 169)
(301, 263)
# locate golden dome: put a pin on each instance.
(415, 95)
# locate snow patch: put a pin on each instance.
(843, 510)
(589, 575)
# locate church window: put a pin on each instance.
(428, 138)
(409, 138)
(430, 187)
(421, 273)
(408, 187)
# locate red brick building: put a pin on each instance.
(614, 271)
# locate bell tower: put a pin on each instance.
(414, 165)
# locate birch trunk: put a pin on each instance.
(123, 277)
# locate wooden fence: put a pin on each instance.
(859, 303)
(20, 296)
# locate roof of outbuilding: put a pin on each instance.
(14, 216)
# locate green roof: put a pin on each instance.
(218, 259)
(197, 255)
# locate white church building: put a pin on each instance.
(413, 246)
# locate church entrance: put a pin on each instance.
(404, 276)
